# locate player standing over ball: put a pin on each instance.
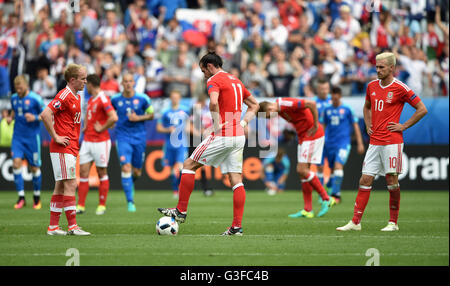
(26, 141)
(62, 118)
(224, 147)
(133, 109)
(339, 120)
(385, 98)
(302, 113)
(96, 145)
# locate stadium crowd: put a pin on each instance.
(278, 48)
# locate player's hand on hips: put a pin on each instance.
(369, 130)
(98, 127)
(395, 127)
(312, 130)
(62, 140)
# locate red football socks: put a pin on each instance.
(315, 183)
(360, 204)
(103, 190)
(56, 206)
(307, 195)
(394, 202)
(238, 204)
(83, 189)
(185, 188)
(70, 210)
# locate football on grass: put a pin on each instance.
(167, 226)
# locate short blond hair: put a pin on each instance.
(72, 71)
(21, 78)
(388, 57)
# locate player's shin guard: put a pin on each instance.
(127, 184)
(238, 204)
(307, 195)
(338, 177)
(56, 207)
(394, 202)
(70, 209)
(83, 189)
(18, 181)
(360, 203)
(187, 184)
(103, 190)
(317, 186)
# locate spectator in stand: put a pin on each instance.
(414, 62)
(358, 74)
(89, 22)
(61, 26)
(178, 77)
(154, 72)
(350, 26)
(381, 32)
(132, 56)
(254, 49)
(45, 85)
(277, 34)
(76, 35)
(147, 33)
(165, 9)
(111, 35)
(290, 10)
(280, 75)
(172, 33)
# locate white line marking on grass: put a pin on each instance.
(223, 254)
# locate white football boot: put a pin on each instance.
(349, 226)
(78, 231)
(392, 226)
(55, 231)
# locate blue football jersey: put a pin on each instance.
(126, 130)
(177, 118)
(338, 125)
(321, 104)
(31, 103)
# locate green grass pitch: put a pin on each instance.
(270, 237)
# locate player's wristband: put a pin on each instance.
(243, 123)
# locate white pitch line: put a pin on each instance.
(224, 254)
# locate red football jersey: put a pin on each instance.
(293, 110)
(387, 104)
(97, 109)
(232, 93)
(66, 121)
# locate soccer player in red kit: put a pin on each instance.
(224, 147)
(303, 114)
(385, 98)
(62, 118)
(96, 145)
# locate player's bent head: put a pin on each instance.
(93, 80)
(387, 57)
(267, 107)
(211, 58)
